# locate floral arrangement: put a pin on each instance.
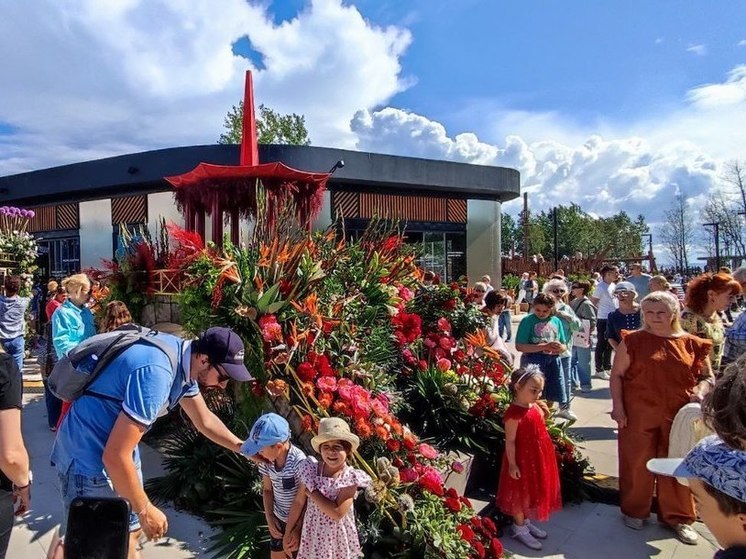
(342, 328)
(18, 248)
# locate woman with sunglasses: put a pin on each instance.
(570, 324)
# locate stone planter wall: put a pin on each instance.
(164, 308)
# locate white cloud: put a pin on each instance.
(699, 50)
(91, 78)
(742, 43)
(659, 40)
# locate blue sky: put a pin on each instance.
(612, 105)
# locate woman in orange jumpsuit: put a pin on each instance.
(657, 370)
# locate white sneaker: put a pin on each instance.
(565, 413)
(535, 531)
(634, 523)
(522, 534)
(686, 534)
(603, 375)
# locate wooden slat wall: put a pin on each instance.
(363, 205)
(53, 218)
(129, 209)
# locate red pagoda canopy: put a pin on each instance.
(212, 188)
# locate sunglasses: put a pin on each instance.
(222, 375)
(559, 291)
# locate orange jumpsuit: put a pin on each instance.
(659, 381)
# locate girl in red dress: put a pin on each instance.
(529, 479)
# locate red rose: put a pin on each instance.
(454, 505)
(467, 534)
(393, 445)
(305, 372)
(408, 475)
(479, 548)
(489, 525)
(450, 304)
(496, 548)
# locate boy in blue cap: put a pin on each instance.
(279, 462)
(716, 475)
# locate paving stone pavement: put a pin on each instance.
(585, 531)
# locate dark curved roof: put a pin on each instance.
(371, 172)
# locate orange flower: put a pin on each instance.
(325, 400)
(477, 339)
(383, 433)
(363, 429)
(308, 389)
(306, 423)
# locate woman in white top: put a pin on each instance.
(494, 303)
(522, 289)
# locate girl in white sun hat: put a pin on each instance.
(328, 489)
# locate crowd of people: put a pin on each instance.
(664, 357)
(661, 356)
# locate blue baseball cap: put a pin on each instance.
(269, 429)
(712, 461)
(224, 347)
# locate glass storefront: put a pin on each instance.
(59, 254)
(442, 246)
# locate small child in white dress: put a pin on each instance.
(328, 488)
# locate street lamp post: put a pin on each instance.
(716, 226)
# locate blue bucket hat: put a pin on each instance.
(269, 429)
(712, 461)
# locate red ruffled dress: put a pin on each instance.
(536, 493)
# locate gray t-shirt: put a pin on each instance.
(12, 316)
(285, 481)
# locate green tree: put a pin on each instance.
(271, 127)
(508, 234)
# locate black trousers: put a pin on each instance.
(6, 520)
(603, 347)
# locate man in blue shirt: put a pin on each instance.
(96, 453)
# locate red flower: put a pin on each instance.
(447, 343)
(305, 372)
(422, 365)
(393, 445)
(479, 548)
(489, 525)
(454, 505)
(450, 304)
(408, 475)
(496, 548)
(457, 467)
(409, 443)
(444, 325)
(428, 451)
(286, 287)
(306, 423)
(409, 324)
(342, 408)
(467, 534)
(443, 365)
(271, 330)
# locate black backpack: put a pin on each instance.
(73, 373)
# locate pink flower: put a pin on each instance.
(379, 408)
(428, 451)
(457, 467)
(444, 325)
(431, 481)
(327, 384)
(405, 294)
(443, 365)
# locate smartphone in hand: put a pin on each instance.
(97, 528)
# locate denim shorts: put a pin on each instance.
(80, 485)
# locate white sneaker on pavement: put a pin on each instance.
(565, 413)
(535, 531)
(522, 534)
(686, 534)
(603, 375)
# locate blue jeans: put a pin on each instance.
(566, 378)
(555, 386)
(80, 485)
(503, 324)
(581, 364)
(16, 348)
